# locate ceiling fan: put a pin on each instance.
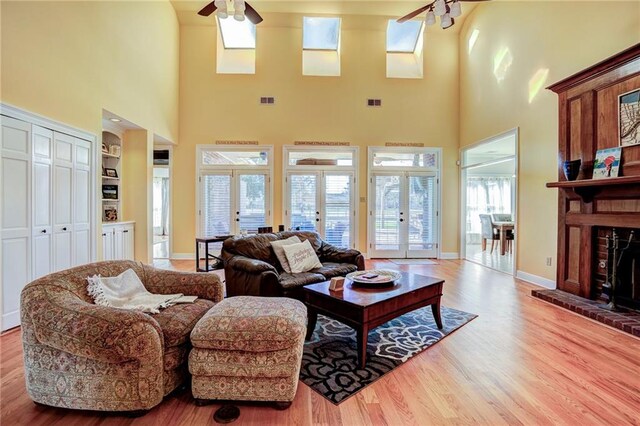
(240, 8)
(445, 9)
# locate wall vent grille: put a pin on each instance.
(374, 102)
(267, 100)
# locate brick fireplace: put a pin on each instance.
(589, 210)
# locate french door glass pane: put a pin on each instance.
(421, 212)
(338, 210)
(303, 201)
(253, 202)
(387, 213)
(216, 203)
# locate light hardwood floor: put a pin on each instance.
(522, 361)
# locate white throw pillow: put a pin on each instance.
(279, 251)
(301, 257)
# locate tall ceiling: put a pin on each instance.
(187, 9)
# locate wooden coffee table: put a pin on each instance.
(366, 308)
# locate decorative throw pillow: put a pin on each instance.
(279, 251)
(301, 257)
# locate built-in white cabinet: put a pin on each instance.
(118, 241)
(47, 191)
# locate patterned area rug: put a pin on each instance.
(329, 362)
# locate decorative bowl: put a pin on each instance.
(389, 277)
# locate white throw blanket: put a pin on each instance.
(126, 291)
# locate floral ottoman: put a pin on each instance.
(248, 348)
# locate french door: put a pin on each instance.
(322, 201)
(403, 214)
(233, 201)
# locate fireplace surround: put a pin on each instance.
(589, 210)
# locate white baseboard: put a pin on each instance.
(452, 255)
(181, 256)
(535, 279)
(10, 320)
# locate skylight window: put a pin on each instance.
(237, 34)
(403, 37)
(321, 33)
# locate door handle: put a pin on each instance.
(237, 212)
(317, 220)
(104, 235)
(44, 231)
(317, 212)
(126, 230)
(64, 229)
(238, 220)
(401, 220)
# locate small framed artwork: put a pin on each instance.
(629, 118)
(105, 150)
(112, 173)
(114, 150)
(110, 214)
(110, 192)
(607, 163)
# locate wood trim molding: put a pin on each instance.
(602, 67)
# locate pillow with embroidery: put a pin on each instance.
(301, 257)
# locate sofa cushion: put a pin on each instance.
(252, 324)
(177, 321)
(301, 257)
(290, 281)
(331, 269)
(279, 251)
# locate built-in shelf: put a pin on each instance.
(104, 154)
(588, 188)
(109, 200)
(110, 178)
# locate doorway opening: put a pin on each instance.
(161, 203)
(489, 202)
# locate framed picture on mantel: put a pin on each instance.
(629, 118)
(607, 163)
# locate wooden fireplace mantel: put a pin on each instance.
(587, 189)
(588, 208)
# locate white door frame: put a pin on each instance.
(162, 147)
(371, 171)
(203, 168)
(321, 170)
(515, 133)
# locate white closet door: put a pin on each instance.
(63, 201)
(128, 242)
(15, 188)
(82, 203)
(42, 189)
(118, 243)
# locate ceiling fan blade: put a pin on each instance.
(413, 14)
(252, 15)
(208, 9)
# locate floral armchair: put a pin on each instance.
(85, 356)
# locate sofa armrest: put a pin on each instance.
(251, 277)
(58, 318)
(164, 281)
(330, 253)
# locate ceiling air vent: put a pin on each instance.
(374, 102)
(267, 100)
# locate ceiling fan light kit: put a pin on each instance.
(221, 10)
(238, 10)
(445, 9)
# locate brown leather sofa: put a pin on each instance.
(252, 269)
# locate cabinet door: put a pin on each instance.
(15, 225)
(42, 263)
(63, 201)
(118, 243)
(107, 244)
(128, 243)
(82, 202)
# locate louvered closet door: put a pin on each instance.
(42, 198)
(63, 201)
(15, 223)
(421, 215)
(338, 209)
(82, 202)
(216, 204)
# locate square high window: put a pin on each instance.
(403, 37)
(320, 33)
(237, 34)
